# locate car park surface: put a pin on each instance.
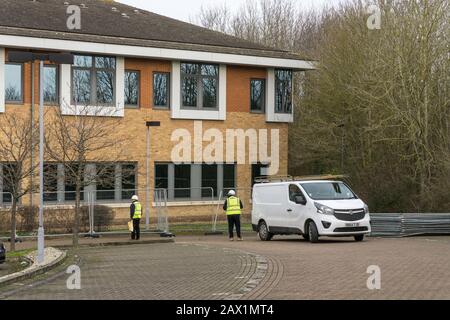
(211, 267)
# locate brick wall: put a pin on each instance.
(132, 126)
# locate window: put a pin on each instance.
(182, 181)
(132, 89)
(70, 184)
(161, 90)
(209, 180)
(105, 181)
(294, 191)
(50, 84)
(50, 182)
(7, 172)
(199, 85)
(257, 95)
(128, 181)
(13, 83)
(93, 80)
(283, 91)
(229, 178)
(161, 176)
(258, 170)
(182, 185)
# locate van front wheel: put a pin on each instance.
(313, 233)
(359, 238)
(263, 232)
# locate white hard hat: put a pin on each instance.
(135, 197)
(231, 193)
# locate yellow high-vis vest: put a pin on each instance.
(137, 210)
(233, 206)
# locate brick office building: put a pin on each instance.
(159, 69)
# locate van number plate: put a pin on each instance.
(352, 224)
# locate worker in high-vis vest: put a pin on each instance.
(233, 207)
(136, 215)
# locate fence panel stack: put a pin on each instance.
(408, 224)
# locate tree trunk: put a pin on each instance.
(76, 226)
(13, 225)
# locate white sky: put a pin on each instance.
(185, 9)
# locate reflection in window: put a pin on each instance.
(13, 82)
(7, 178)
(229, 178)
(105, 181)
(283, 91)
(131, 88)
(257, 95)
(161, 176)
(199, 85)
(161, 90)
(209, 180)
(128, 181)
(182, 181)
(93, 80)
(50, 182)
(50, 84)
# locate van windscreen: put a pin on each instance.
(328, 191)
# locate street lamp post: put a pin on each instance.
(149, 124)
(57, 58)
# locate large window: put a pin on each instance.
(161, 176)
(131, 89)
(283, 91)
(161, 90)
(257, 95)
(93, 80)
(50, 182)
(199, 85)
(106, 181)
(109, 182)
(194, 181)
(13, 83)
(182, 181)
(129, 181)
(50, 84)
(209, 180)
(7, 172)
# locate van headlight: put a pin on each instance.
(366, 209)
(323, 209)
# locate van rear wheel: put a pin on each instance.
(313, 233)
(263, 232)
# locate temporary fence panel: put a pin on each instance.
(5, 213)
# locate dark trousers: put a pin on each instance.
(234, 220)
(136, 234)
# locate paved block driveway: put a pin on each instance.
(285, 268)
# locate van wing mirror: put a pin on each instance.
(300, 199)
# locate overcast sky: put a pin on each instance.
(185, 9)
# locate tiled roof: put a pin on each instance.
(112, 22)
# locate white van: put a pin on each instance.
(311, 208)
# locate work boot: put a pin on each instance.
(240, 239)
(231, 239)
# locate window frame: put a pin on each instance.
(263, 107)
(276, 82)
(93, 81)
(199, 77)
(53, 103)
(138, 105)
(22, 74)
(166, 107)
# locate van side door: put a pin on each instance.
(296, 211)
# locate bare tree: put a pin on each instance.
(378, 105)
(85, 136)
(16, 136)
